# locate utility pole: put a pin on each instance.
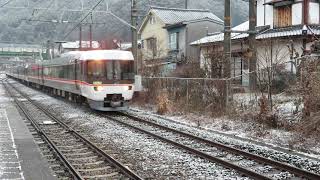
(90, 33)
(90, 36)
(134, 15)
(80, 37)
(186, 4)
(227, 39)
(252, 46)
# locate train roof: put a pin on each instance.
(70, 57)
(102, 55)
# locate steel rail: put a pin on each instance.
(122, 168)
(203, 155)
(261, 159)
(63, 159)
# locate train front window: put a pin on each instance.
(110, 72)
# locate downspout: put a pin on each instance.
(264, 12)
(186, 47)
(241, 69)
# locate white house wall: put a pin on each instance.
(314, 13)
(265, 13)
(269, 15)
(155, 30)
(280, 52)
(260, 13)
(297, 14)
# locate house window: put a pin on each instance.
(174, 41)
(152, 46)
(152, 20)
(283, 16)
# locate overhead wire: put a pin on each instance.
(5, 3)
(88, 14)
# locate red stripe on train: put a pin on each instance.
(78, 81)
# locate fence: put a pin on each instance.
(191, 94)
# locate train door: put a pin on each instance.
(38, 74)
(42, 73)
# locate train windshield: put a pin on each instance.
(104, 71)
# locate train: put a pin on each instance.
(104, 79)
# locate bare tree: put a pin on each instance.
(271, 58)
(213, 62)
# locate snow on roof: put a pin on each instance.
(264, 33)
(76, 44)
(219, 37)
(289, 31)
(176, 15)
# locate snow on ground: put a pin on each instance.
(250, 145)
(10, 166)
(286, 107)
(150, 158)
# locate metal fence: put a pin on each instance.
(192, 94)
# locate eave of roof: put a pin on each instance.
(172, 16)
(279, 2)
(263, 34)
(169, 26)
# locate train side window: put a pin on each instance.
(61, 73)
(71, 71)
(78, 71)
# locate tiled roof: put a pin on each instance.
(288, 31)
(219, 37)
(174, 15)
(263, 34)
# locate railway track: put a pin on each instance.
(247, 164)
(82, 158)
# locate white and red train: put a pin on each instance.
(102, 78)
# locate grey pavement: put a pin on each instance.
(20, 157)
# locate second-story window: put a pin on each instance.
(152, 19)
(174, 41)
(282, 16)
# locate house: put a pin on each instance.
(285, 30)
(167, 32)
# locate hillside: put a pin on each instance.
(23, 25)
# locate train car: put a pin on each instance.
(102, 78)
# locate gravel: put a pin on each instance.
(150, 158)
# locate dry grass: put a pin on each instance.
(163, 103)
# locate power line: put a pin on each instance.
(82, 19)
(6, 3)
(61, 22)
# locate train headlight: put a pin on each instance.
(98, 88)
